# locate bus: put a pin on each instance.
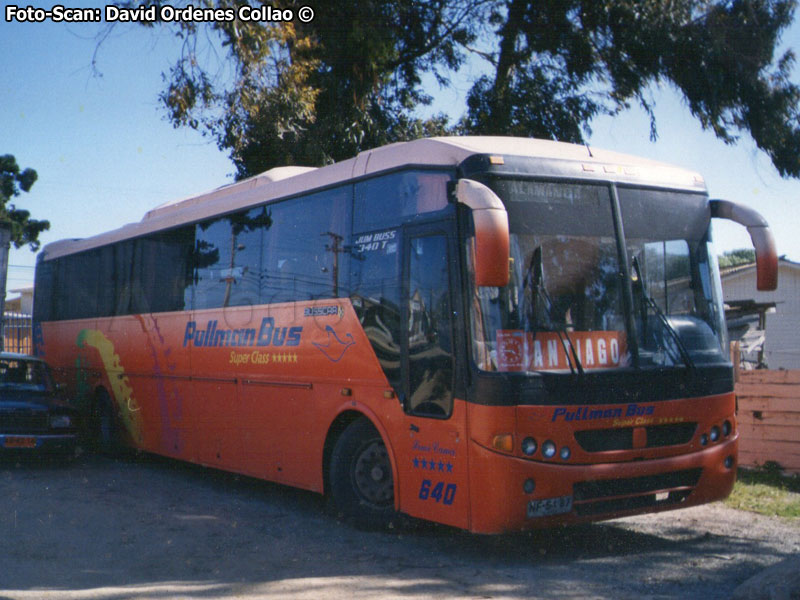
(492, 333)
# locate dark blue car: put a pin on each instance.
(34, 417)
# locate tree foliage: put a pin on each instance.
(13, 181)
(313, 93)
(351, 79)
(561, 62)
(740, 256)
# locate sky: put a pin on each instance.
(105, 153)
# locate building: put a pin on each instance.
(21, 304)
(782, 339)
(17, 322)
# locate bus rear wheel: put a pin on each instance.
(361, 481)
(105, 425)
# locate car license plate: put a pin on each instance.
(19, 442)
(549, 506)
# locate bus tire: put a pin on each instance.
(106, 425)
(361, 480)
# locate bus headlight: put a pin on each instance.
(548, 449)
(714, 433)
(565, 453)
(529, 446)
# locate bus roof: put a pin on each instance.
(585, 162)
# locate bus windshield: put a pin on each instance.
(564, 307)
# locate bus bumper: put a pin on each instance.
(511, 494)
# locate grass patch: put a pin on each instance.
(766, 491)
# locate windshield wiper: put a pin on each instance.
(662, 318)
(535, 278)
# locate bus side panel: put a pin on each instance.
(213, 412)
(291, 364)
(279, 433)
(132, 359)
(256, 390)
(433, 467)
(493, 487)
(145, 371)
(56, 345)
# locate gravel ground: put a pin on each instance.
(151, 528)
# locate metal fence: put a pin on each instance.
(17, 333)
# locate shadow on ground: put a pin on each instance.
(147, 527)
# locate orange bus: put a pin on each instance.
(491, 333)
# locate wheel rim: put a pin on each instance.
(372, 474)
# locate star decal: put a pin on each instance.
(432, 465)
(284, 357)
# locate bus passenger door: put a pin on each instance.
(432, 458)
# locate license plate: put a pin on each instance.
(20, 442)
(549, 506)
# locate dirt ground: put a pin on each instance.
(149, 528)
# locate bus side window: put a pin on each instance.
(375, 294)
(384, 201)
(78, 274)
(161, 273)
(304, 254)
(227, 259)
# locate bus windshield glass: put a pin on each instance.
(564, 308)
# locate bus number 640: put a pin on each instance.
(439, 492)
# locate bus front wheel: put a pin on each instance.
(361, 481)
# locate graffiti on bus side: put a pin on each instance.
(117, 379)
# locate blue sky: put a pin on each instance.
(105, 153)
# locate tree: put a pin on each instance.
(740, 256)
(313, 93)
(559, 63)
(350, 79)
(24, 230)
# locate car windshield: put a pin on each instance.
(564, 308)
(20, 373)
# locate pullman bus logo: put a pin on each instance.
(268, 334)
(585, 413)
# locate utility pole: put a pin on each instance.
(336, 248)
(5, 245)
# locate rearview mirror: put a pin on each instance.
(761, 236)
(490, 220)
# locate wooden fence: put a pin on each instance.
(769, 418)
